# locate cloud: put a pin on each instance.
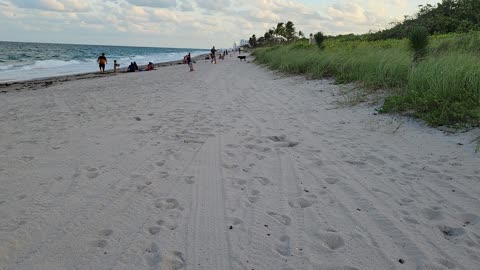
(54, 5)
(154, 3)
(186, 5)
(214, 5)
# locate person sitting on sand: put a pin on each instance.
(135, 66)
(102, 61)
(131, 67)
(149, 67)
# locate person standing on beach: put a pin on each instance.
(214, 57)
(189, 62)
(102, 61)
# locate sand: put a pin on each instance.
(228, 167)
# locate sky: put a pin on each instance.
(189, 23)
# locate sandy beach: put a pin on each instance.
(232, 166)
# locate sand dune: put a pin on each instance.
(228, 167)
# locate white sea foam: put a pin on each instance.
(7, 67)
(46, 64)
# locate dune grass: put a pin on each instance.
(442, 89)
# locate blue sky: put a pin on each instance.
(188, 23)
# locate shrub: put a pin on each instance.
(319, 39)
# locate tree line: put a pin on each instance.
(285, 31)
(445, 17)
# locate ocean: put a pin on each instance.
(23, 61)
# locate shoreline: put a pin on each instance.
(39, 83)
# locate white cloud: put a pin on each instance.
(186, 5)
(56, 5)
(154, 3)
(214, 5)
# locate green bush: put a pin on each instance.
(319, 39)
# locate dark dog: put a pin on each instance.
(242, 57)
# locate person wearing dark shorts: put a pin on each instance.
(102, 61)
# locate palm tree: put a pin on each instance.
(418, 41)
(280, 29)
(289, 30)
(301, 34)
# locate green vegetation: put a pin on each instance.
(443, 89)
(435, 78)
(446, 17)
(418, 40)
(319, 39)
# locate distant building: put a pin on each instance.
(244, 42)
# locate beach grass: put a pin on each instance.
(442, 89)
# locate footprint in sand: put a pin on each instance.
(405, 201)
(279, 138)
(299, 203)
(240, 182)
(167, 204)
(154, 230)
(160, 163)
(331, 180)
(105, 232)
(92, 173)
(99, 243)
(332, 240)
(448, 264)
(469, 219)
(167, 225)
(173, 260)
(189, 180)
(432, 214)
(263, 180)
(237, 221)
(450, 232)
(411, 220)
(255, 196)
(284, 247)
(283, 219)
(152, 255)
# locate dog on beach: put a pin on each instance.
(242, 57)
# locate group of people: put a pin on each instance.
(187, 59)
(133, 67)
